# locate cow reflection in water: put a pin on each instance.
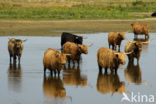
(14, 77)
(73, 77)
(53, 87)
(109, 83)
(133, 73)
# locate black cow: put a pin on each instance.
(68, 37)
(153, 14)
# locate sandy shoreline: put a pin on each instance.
(51, 28)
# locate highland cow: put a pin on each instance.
(108, 58)
(53, 60)
(75, 50)
(15, 48)
(140, 29)
(115, 39)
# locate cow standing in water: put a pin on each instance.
(15, 48)
(140, 29)
(68, 37)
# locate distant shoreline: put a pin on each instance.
(54, 28)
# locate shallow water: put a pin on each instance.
(26, 84)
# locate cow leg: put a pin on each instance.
(106, 70)
(116, 70)
(44, 70)
(19, 59)
(55, 72)
(119, 48)
(10, 58)
(109, 45)
(78, 62)
(58, 72)
(15, 58)
(100, 68)
(51, 72)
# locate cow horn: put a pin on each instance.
(130, 40)
(90, 45)
(24, 40)
(68, 54)
(126, 53)
(148, 41)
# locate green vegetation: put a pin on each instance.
(80, 10)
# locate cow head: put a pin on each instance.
(62, 58)
(121, 35)
(132, 24)
(18, 44)
(83, 49)
(138, 46)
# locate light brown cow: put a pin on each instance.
(139, 29)
(75, 50)
(108, 58)
(109, 83)
(53, 87)
(115, 38)
(15, 48)
(53, 60)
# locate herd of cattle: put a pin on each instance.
(72, 47)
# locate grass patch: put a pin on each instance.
(78, 12)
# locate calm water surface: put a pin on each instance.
(26, 84)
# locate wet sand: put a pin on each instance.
(53, 28)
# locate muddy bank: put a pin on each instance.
(52, 28)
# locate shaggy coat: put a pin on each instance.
(75, 50)
(115, 39)
(107, 58)
(135, 47)
(53, 60)
(140, 29)
(109, 83)
(15, 48)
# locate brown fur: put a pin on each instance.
(133, 73)
(53, 60)
(139, 29)
(15, 48)
(73, 77)
(115, 38)
(135, 47)
(53, 87)
(108, 59)
(75, 50)
(109, 83)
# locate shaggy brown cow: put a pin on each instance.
(108, 58)
(135, 47)
(53, 87)
(133, 73)
(109, 83)
(75, 50)
(53, 60)
(115, 38)
(73, 76)
(139, 29)
(15, 48)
